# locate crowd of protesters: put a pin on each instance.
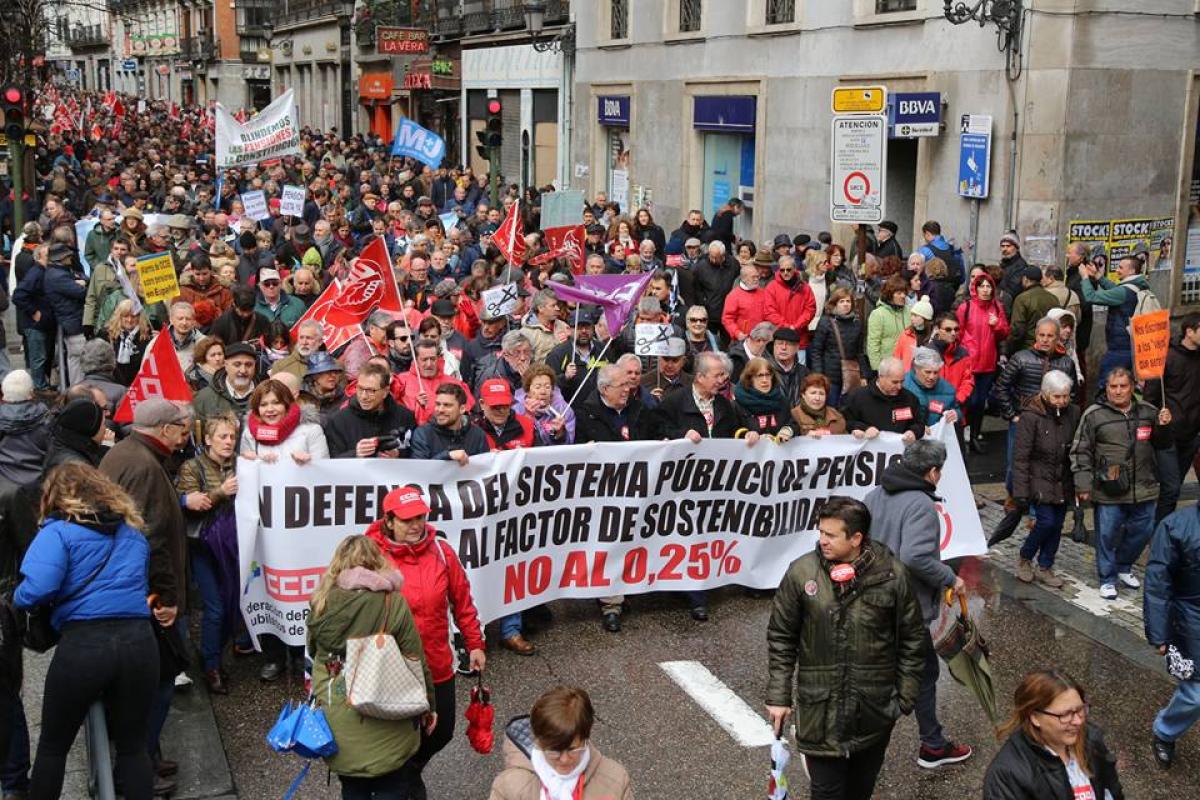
(790, 337)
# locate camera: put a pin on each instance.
(395, 439)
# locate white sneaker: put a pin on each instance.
(182, 681)
(1108, 591)
(1129, 580)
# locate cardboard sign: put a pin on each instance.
(159, 281)
(652, 339)
(1151, 338)
(500, 300)
(292, 202)
(256, 205)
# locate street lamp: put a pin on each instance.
(535, 21)
(1007, 15)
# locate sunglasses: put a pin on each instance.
(270, 283)
(401, 338)
(697, 319)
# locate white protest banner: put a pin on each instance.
(255, 203)
(576, 521)
(273, 132)
(499, 300)
(292, 202)
(652, 339)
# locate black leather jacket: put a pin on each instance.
(1026, 770)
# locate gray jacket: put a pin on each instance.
(904, 518)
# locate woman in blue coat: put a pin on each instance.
(91, 564)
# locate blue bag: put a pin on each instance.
(313, 738)
(282, 736)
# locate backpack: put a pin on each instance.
(1145, 303)
(955, 265)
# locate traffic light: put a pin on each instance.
(495, 125)
(482, 148)
(12, 101)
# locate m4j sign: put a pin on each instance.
(416, 142)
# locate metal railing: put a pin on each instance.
(199, 48)
(780, 12)
(87, 35)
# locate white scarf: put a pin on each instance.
(555, 785)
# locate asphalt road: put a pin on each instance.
(674, 749)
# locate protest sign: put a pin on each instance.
(159, 282)
(653, 339)
(255, 203)
(562, 209)
(1151, 338)
(500, 300)
(292, 202)
(413, 141)
(575, 522)
(273, 132)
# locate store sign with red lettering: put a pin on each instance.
(391, 40)
(535, 525)
(418, 80)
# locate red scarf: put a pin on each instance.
(279, 432)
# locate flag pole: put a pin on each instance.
(591, 368)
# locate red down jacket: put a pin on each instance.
(434, 583)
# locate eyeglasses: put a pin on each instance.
(950, 330)
(697, 319)
(556, 755)
(369, 390)
(1066, 716)
(401, 338)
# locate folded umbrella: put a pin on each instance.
(1080, 532)
(959, 643)
(1006, 527)
(480, 714)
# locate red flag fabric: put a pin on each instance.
(566, 242)
(159, 376)
(510, 236)
(118, 108)
(345, 304)
(97, 132)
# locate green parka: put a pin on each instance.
(856, 659)
(367, 747)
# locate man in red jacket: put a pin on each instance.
(789, 303)
(743, 305)
(957, 360)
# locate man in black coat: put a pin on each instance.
(1181, 381)
(715, 276)
(885, 405)
(372, 425)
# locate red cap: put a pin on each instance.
(495, 392)
(405, 502)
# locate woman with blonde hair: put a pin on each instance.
(549, 754)
(90, 563)
(1051, 752)
(129, 334)
(360, 595)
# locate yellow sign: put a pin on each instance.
(159, 282)
(859, 99)
(30, 140)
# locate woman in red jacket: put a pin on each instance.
(984, 326)
(434, 584)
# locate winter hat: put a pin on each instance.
(888, 225)
(923, 308)
(1012, 239)
(445, 287)
(1032, 274)
(156, 411)
(82, 415)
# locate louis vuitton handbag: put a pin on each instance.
(381, 682)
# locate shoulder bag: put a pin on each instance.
(381, 682)
(851, 372)
(40, 635)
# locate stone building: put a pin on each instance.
(1094, 116)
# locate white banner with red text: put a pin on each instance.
(577, 521)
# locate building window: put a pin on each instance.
(780, 12)
(619, 19)
(689, 16)
(892, 6)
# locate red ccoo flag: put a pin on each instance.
(345, 305)
(509, 238)
(566, 242)
(159, 376)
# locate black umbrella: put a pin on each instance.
(1080, 532)
(1006, 527)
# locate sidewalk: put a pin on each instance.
(191, 738)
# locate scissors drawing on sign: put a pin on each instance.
(663, 335)
(506, 294)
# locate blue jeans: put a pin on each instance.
(928, 726)
(14, 774)
(214, 621)
(834, 399)
(1113, 557)
(1047, 531)
(510, 626)
(1181, 713)
(37, 357)
(977, 402)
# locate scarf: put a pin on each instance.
(757, 402)
(127, 345)
(279, 432)
(555, 785)
(820, 417)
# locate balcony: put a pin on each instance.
(494, 16)
(198, 48)
(81, 36)
(254, 16)
(297, 11)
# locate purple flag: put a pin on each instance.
(616, 294)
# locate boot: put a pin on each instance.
(1046, 575)
(1025, 571)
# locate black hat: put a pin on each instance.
(443, 308)
(801, 239)
(782, 240)
(595, 230)
(583, 316)
(888, 225)
(82, 415)
(787, 335)
(240, 349)
(1032, 273)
